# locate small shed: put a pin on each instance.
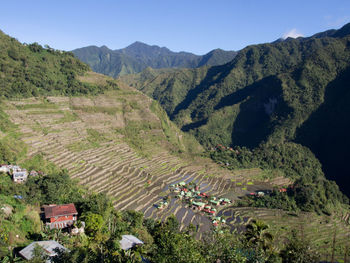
(19, 175)
(49, 247)
(129, 241)
(200, 205)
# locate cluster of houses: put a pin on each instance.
(64, 217)
(197, 200)
(19, 174)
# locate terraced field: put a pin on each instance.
(319, 229)
(90, 138)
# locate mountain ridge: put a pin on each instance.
(138, 56)
(265, 95)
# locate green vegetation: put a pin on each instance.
(139, 56)
(310, 190)
(164, 242)
(93, 140)
(31, 70)
(68, 117)
(97, 109)
(293, 91)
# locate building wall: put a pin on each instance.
(62, 218)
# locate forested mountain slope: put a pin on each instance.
(138, 56)
(31, 70)
(290, 91)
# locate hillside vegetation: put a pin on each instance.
(112, 174)
(31, 70)
(291, 91)
(138, 56)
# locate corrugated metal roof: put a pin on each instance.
(128, 241)
(48, 246)
(60, 210)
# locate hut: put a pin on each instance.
(49, 247)
(198, 205)
(129, 241)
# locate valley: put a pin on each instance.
(189, 152)
(84, 135)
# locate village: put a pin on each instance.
(199, 201)
(65, 217)
(62, 217)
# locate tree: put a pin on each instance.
(39, 255)
(298, 251)
(175, 246)
(93, 223)
(257, 235)
(225, 247)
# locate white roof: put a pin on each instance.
(128, 241)
(48, 246)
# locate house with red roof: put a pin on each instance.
(60, 216)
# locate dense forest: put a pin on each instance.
(32, 70)
(292, 91)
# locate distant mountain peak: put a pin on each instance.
(105, 47)
(137, 44)
(139, 55)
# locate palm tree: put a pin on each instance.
(257, 236)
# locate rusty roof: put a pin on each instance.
(60, 210)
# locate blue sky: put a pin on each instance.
(196, 26)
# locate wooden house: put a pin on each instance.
(60, 216)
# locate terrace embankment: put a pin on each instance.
(115, 143)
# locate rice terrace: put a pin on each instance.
(87, 137)
(215, 141)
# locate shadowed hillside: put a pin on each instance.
(265, 95)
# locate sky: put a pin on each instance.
(196, 26)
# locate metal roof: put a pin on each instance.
(60, 210)
(48, 246)
(128, 241)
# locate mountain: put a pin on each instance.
(292, 91)
(138, 56)
(121, 148)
